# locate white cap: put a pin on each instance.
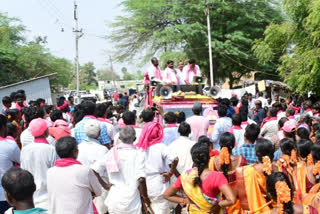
(92, 128)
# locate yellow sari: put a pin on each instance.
(313, 198)
(201, 202)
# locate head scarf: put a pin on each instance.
(152, 133)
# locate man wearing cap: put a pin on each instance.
(90, 151)
(289, 129)
(37, 158)
(199, 124)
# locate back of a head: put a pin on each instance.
(92, 128)
(19, 184)
(129, 118)
(264, 147)
(12, 114)
(3, 121)
(282, 121)
(227, 140)
(65, 147)
(245, 103)
(12, 129)
(291, 111)
(197, 108)
(236, 120)
(272, 180)
(170, 117)
(222, 110)
(147, 115)
(243, 112)
(273, 112)
(127, 135)
(6, 100)
(204, 140)
(260, 94)
(200, 158)
(287, 146)
(225, 101)
(184, 129)
(13, 96)
(234, 101)
(101, 110)
(31, 113)
(252, 132)
(88, 107)
(315, 151)
(56, 115)
(304, 148)
(19, 96)
(120, 96)
(303, 133)
(181, 116)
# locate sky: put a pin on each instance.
(48, 17)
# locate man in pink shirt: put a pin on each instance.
(199, 124)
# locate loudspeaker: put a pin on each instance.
(197, 79)
(166, 92)
(215, 91)
(173, 88)
(187, 88)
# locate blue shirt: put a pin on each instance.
(80, 134)
(259, 117)
(170, 134)
(278, 154)
(222, 125)
(248, 151)
(230, 111)
(31, 211)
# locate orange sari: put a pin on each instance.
(313, 198)
(251, 187)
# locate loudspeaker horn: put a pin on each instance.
(215, 91)
(166, 92)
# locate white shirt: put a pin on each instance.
(264, 101)
(191, 74)
(180, 76)
(239, 136)
(91, 151)
(269, 129)
(124, 195)
(152, 72)
(70, 189)
(37, 158)
(9, 154)
(169, 76)
(156, 162)
(26, 138)
(181, 148)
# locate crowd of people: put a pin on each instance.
(263, 156)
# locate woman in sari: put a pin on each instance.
(280, 191)
(227, 164)
(251, 180)
(201, 186)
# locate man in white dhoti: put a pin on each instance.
(153, 72)
(179, 73)
(191, 70)
(169, 74)
(125, 166)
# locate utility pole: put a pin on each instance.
(207, 12)
(111, 67)
(78, 35)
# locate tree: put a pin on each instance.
(295, 44)
(107, 74)
(21, 59)
(180, 26)
(127, 75)
(89, 74)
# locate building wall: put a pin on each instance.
(39, 88)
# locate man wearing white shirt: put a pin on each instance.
(262, 99)
(154, 71)
(179, 73)
(169, 74)
(190, 71)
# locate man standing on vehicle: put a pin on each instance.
(169, 75)
(154, 71)
(179, 73)
(191, 70)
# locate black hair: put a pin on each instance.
(291, 111)
(70, 97)
(65, 146)
(120, 95)
(200, 157)
(56, 115)
(19, 95)
(264, 147)
(181, 116)
(252, 132)
(21, 91)
(225, 101)
(273, 112)
(192, 61)
(236, 120)
(129, 118)
(19, 184)
(169, 61)
(243, 112)
(48, 108)
(303, 133)
(315, 151)
(204, 140)
(260, 94)
(109, 114)
(222, 110)
(12, 129)
(170, 117)
(304, 148)
(40, 100)
(245, 102)
(13, 96)
(88, 107)
(12, 114)
(3, 121)
(282, 121)
(234, 101)
(6, 100)
(271, 189)
(31, 113)
(33, 103)
(153, 59)
(184, 129)
(227, 140)
(147, 115)
(101, 110)
(287, 146)
(316, 106)
(60, 102)
(308, 103)
(78, 114)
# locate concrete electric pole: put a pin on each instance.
(207, 12)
